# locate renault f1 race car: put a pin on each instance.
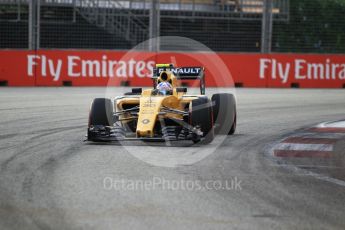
(164, 113)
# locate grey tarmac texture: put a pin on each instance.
(51, 179)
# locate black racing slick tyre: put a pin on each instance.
(201, 115)
(224, 113)
(101, 112)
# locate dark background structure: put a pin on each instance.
(300, 26)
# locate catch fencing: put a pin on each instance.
(259, 26)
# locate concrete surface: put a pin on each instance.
(51, 179)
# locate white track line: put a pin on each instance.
(308, 166)
(319, 135)
(333, 124)
(304, 147)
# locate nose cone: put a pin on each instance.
(149, 109)
(145, 128)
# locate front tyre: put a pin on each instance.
(201, 115)
(100, 116)
(101, 112)
(224, 113)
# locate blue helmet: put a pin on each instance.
(164, 88)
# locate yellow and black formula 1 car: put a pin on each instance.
(165, 112)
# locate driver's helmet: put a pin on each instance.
(164, 88)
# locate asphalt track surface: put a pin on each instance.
(51, 179)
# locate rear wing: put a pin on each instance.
(183, 73)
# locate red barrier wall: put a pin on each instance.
(102, 68)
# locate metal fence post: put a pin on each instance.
(34, 24)
(38, 24)
(267, 24)
(19, 11)
(154, 27)
(74, 11)
(31, 24)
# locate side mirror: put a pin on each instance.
(137, 90)
(181, 90)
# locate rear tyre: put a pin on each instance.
(101, 113)
(201, 115)
(224, 113)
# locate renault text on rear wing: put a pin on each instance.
(180, 72)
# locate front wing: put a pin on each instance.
(117, 133)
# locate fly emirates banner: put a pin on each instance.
(113, 68)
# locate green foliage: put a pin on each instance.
(316, 26)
